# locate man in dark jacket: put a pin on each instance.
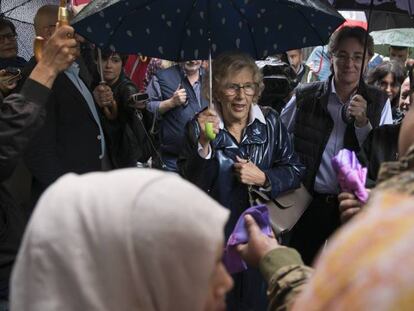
(21, 115)
(325, 117)
(72, 138)
(175, 96)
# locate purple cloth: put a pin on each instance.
(232, 260)
(351, 175)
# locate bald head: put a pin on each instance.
(45, 20)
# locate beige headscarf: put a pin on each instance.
(125, 240)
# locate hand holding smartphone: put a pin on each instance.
(8, 79)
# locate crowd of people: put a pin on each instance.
(147, 199)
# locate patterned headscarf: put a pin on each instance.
(369, 263)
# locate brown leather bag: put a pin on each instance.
(286, 209)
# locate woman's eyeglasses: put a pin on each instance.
(233, 88)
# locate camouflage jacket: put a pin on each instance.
(398, 175)
(286, 275)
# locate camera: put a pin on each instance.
(279, 81)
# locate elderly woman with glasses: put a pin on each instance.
(252, 149)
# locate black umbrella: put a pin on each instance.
(189, 29)
(395, 6)
(388, 20)
(21, 14)
(385, 14)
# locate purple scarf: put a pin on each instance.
(232, 260)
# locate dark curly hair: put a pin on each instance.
(4, 23)
(107, 54)
(381, 71)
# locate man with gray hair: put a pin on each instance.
(175, 97)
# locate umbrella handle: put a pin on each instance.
(110, 114)
(39, 42)
(209, 131)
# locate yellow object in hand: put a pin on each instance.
(209, 131)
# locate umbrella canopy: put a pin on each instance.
(396, 6)
(387, 20)
(21, 14)
(354, 18)
(180, 30)
(386, 14)
(398, 37)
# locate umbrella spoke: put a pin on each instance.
(18, 6)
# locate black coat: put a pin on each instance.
(21, 115)
(69, 141)
(380, 146)
(128, 135)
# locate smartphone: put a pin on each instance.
(139, 97)
(13, 71)
(12, 76)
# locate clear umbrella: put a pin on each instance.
(398, 37)
(21, 13)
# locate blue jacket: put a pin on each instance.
(267, 145)
(172, 124)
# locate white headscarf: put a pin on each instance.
(125, 240)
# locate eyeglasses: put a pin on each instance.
(9, 36)
(233, 88)
(343, 58)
